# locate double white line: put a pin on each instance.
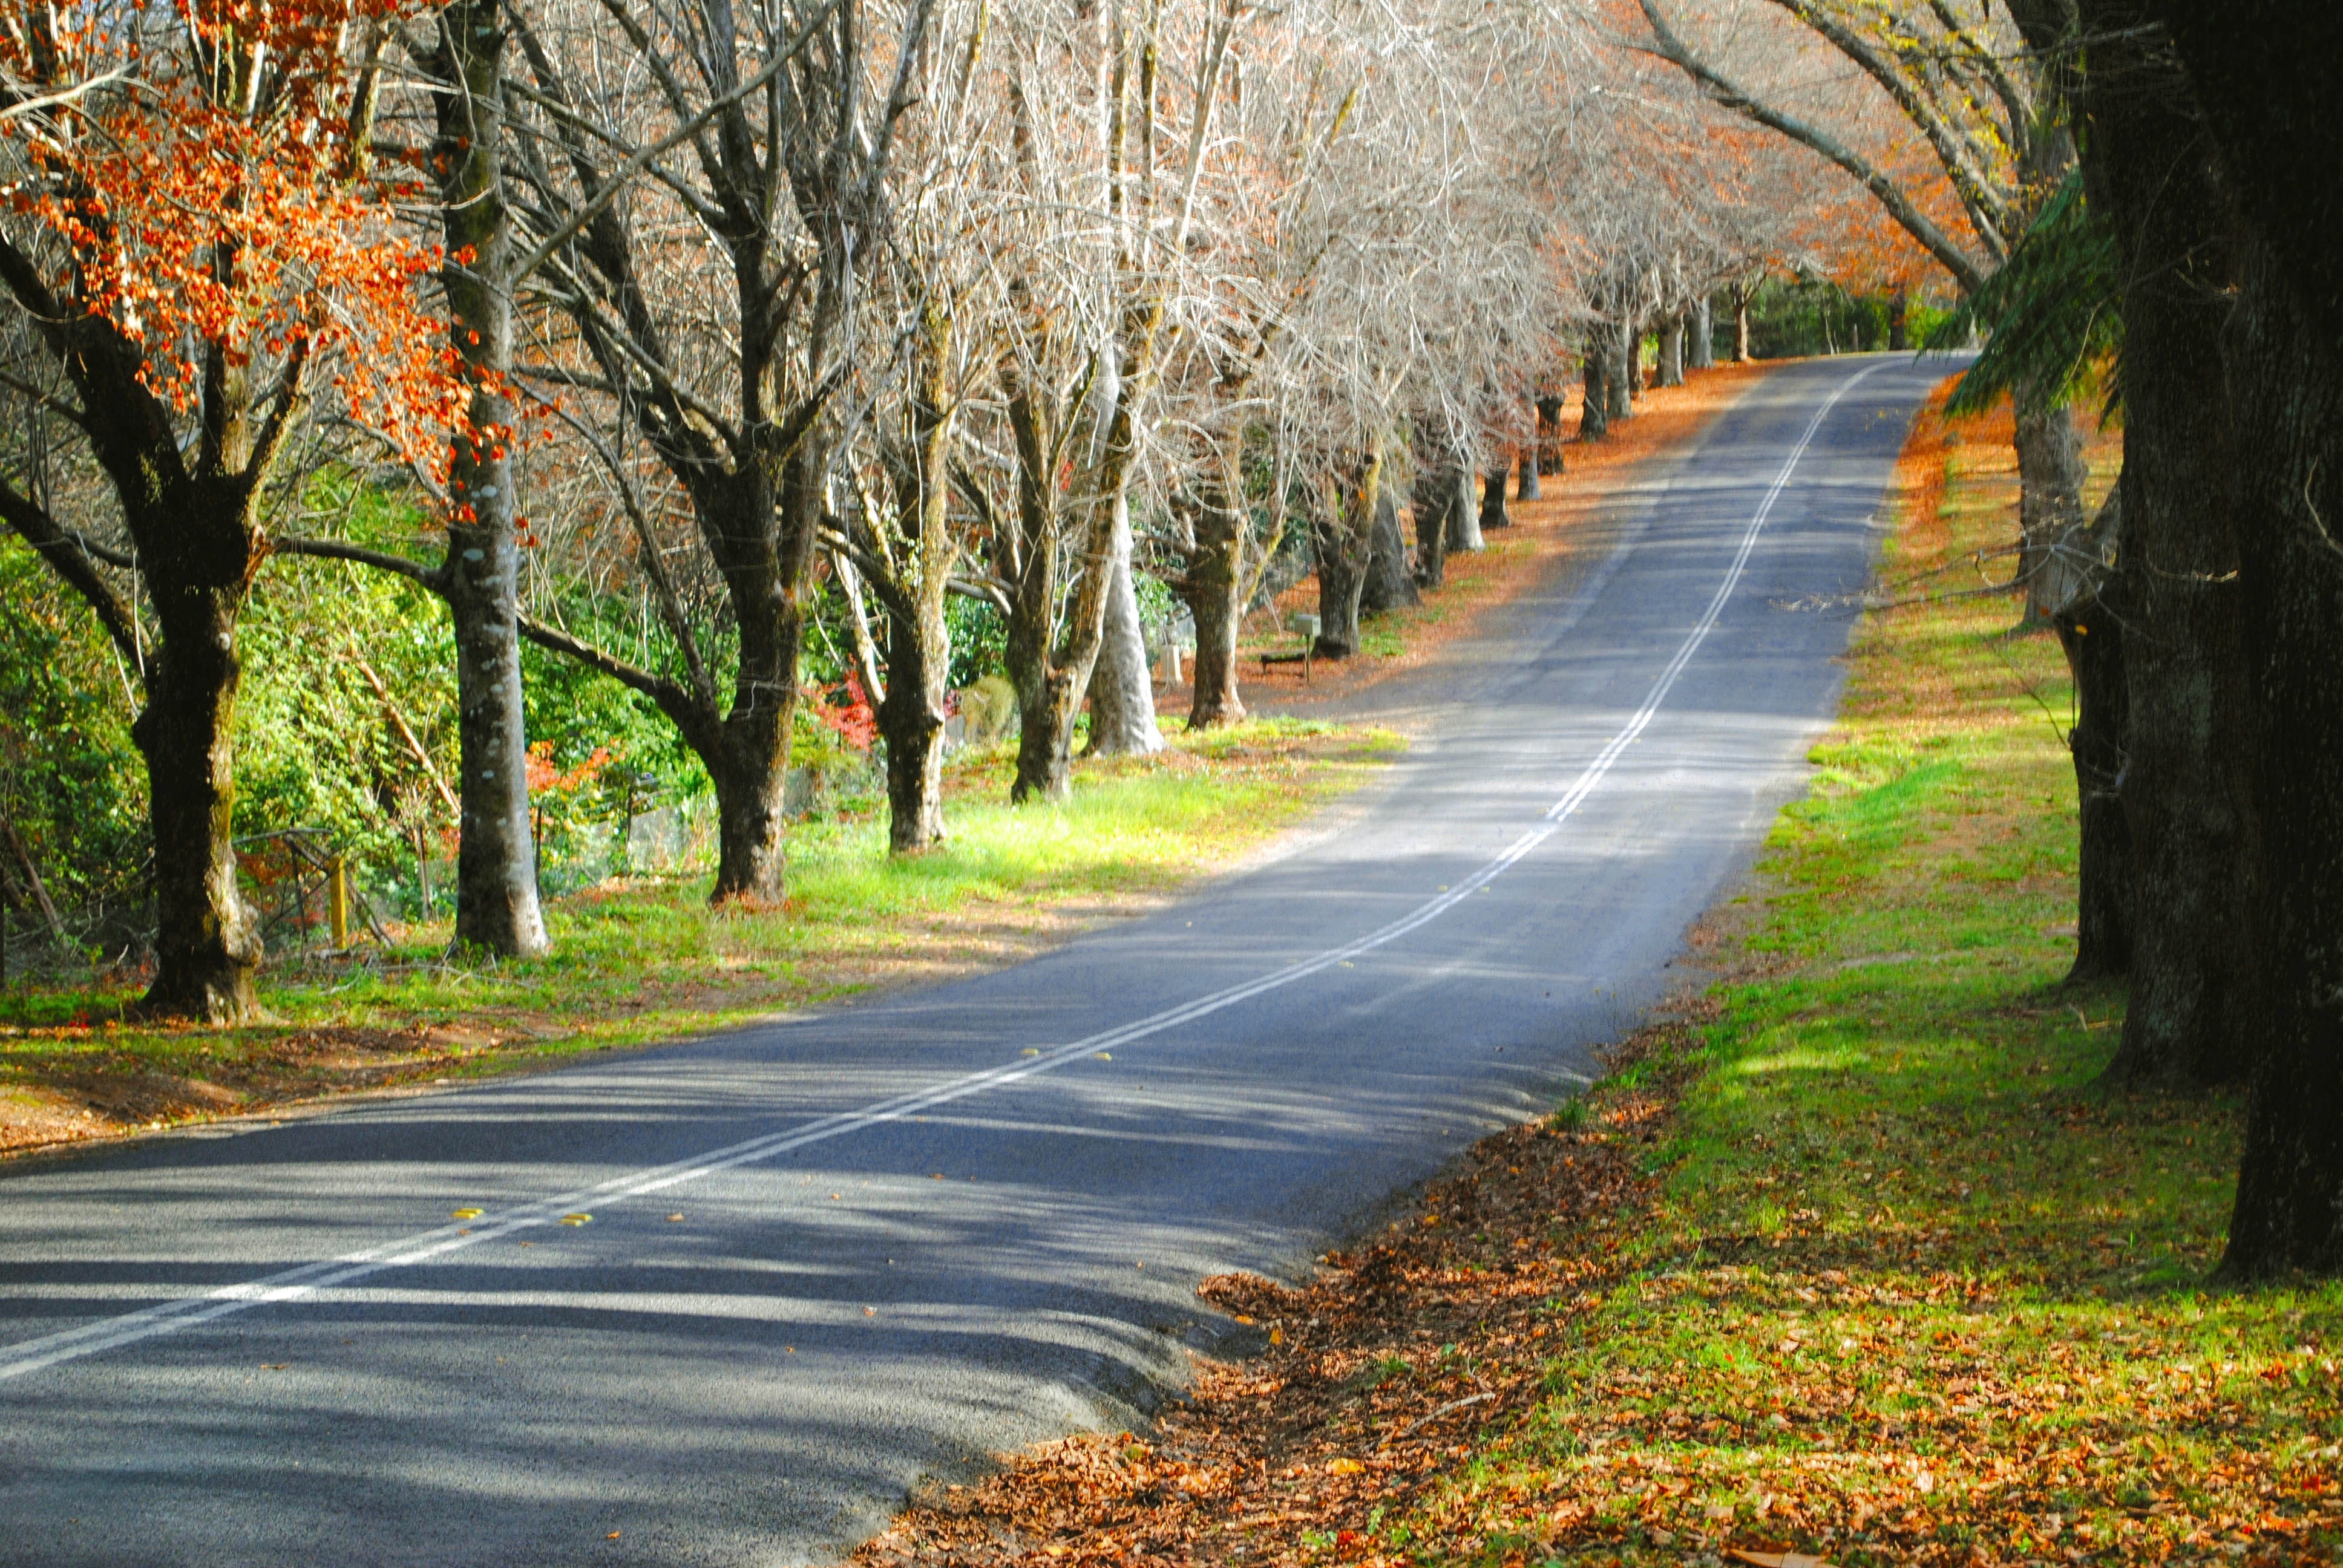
(296, 1284)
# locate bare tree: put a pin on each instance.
(708, 187)
(1954, 72)
(1107, 154)
(900, 535)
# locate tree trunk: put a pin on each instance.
(1048, 693)
(918, 640)
(1052, 675)
(2264, 81)
(1741, 355)
(1438, 482)
(1213, 588)
(496, 859)
(2181, 793)
(1703, 335)
(1625, 371)
(1045, 736)
(1671, 338)
(1463, 517)
(2286, 382)
(912, 718)
(1899, 322)
(1492, 499)
(1122, 689)
(1050, 655)
(766, 566)
(1388, 584)
(1528, 490)
(1432, 496)
(2050, 474)
(1215, 583)
(1550, 438)
(2182, 785)
(208, 942)
(2091, 631)
(1594, 411)
(1342, 533)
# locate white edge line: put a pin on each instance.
(296, 1283)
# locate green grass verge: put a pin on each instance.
(640, 960)
(1910, 1287)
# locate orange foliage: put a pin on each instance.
(1829, 223)
(547, 777)
(199, 173)
(846, 708)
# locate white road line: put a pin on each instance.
(1699, 633)
(294, 1284)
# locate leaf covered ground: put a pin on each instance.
(1849, 1261)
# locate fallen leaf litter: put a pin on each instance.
(1378, 1427)
(1285, 1456)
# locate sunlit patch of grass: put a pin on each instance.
(644, 958)
(1912, 1288)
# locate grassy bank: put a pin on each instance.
(1909, 1287)
(1850, 1260)
(644, 958)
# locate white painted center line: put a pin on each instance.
(294, 1284)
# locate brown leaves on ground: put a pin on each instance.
(1902, 1299)
(1530, 1367)
(86, 1090)
(1380, 1375)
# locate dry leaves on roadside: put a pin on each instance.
(1386, 1368)
(1499, 1379)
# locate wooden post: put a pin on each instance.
(337, 901)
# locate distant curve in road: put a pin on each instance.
(919, 1232)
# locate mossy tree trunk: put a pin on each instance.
(495, 857)
(208, 940)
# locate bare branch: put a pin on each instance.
(1966, 269)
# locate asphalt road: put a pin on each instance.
(923, 1230)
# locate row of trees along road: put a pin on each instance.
(651, 334)
(2159, 180)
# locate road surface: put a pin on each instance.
(923, 1230)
